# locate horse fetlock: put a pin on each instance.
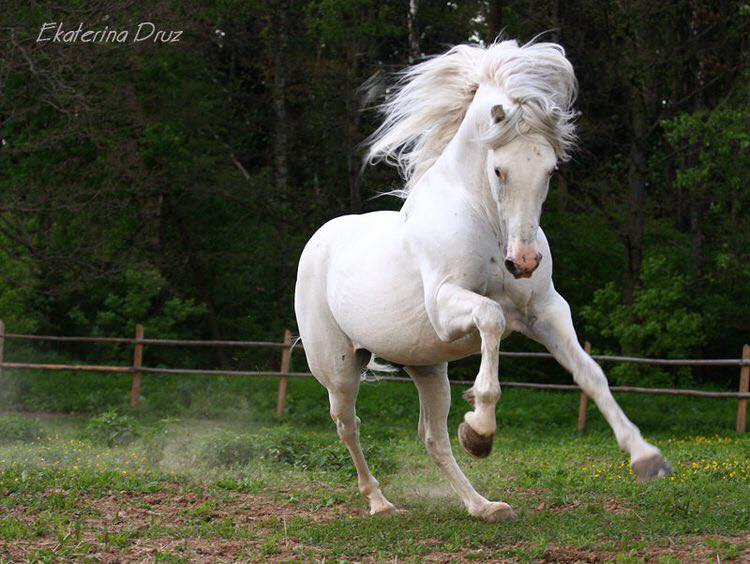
(481, 420)
(369, 487)
(488, 397)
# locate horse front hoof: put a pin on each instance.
(478, 446)
(651, 468)
(496, 511)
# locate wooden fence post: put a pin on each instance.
(135, 390)
(744, 387)
(286, 361)
(583, 403)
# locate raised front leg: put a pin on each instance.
(434, 403)
(553, 328)
(459, 312)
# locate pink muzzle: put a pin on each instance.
(522, 259)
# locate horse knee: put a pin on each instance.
(489, 318)
(591, 378)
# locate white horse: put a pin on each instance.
(476, 132)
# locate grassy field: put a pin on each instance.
(233, 482)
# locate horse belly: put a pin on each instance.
(375, 293)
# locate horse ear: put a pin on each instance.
(498, 113)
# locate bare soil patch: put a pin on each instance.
(687, 549)
(118, 526)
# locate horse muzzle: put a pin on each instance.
(522, 259)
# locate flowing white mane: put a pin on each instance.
(424, 110)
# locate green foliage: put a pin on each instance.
(335, 20)
(142, 295)
(309, 454)
(289, 447)
(112, 429)
(139, 184)
(230, 449)
(15, 428)
(661, 322)
(715, 172)
(17, 293)
(723, 139)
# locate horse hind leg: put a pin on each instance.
(338, 366)
(343, 413)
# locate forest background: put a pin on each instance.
(176, 184)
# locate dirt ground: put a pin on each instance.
(120, 526)
(127, 527)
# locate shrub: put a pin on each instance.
(233, 449)
(660, 322)
(311, 455)
(230, 449)
(14, 428)
(111, 429)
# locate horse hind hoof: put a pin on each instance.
(478, 446)
(388, 510)
(651, 468)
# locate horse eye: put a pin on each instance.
(500, 174)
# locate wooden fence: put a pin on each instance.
(139, 342)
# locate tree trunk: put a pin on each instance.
(281, 135)
(554, 34)
(352, 126)
(415, 51)
(495, 21)
(201, 281)
(637, 183)
(696, 233)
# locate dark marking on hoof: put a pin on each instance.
(651, 468)
(469, 396)
(478, 446)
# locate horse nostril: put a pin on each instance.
(538, 258)
(511, 266)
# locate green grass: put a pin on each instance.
(240, 484)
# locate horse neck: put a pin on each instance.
(464, 160)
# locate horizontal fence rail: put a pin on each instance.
(275, 345)
(157, 342)
(287, 347)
